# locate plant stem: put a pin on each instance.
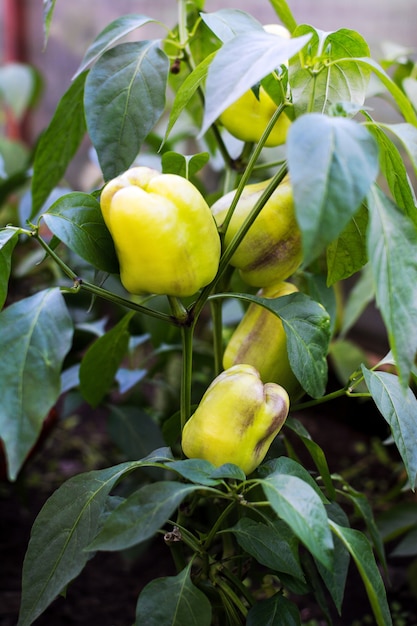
(217, 317)
(186, 373)
(217, 524)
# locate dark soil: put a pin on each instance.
(106, 591)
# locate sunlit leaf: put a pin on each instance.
(114, 31)
(333, 162)
(347, 254)
(124, 99)
(227, 81)
(228, 23)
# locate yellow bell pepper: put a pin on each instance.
(260, 340)
(271, 250)
(164, 233)
(247, 117)
(237, 419)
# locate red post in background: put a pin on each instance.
(14, 49)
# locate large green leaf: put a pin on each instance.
(141, 515)
(275, 611)
(392, 242)
(76, 219)
(63, 529)
(333, 162)
(399, 409)
(173, 601)
(227, 80)
(58, 144)
(326, 74)
(101, 361)
(114, 31)
(272, 545)
(35, 336)
(361, 551)
(298, 504)
(8, 240)
(124, 98)
(133, 430)
(307, 328)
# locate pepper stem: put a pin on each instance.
(186, 373)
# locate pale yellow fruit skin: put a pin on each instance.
(164, 234)
(247, 118)
(260, 340)
(236, 420)
(271, 250)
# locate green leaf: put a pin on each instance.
(407, 547)
(58, 144)
(185, 166)
(228, 471)
(335, 579)
(35, 336)
(275, 611)
(394, 169)
(226, 82)
(298, 504)
(307, 328)
(76, 219)
(141, 515)
(397, 520)
(286, 465)
(186, 91)
(347, 254)
(8, 240)
(173, 601)
(364, 508)
(228, 23)
(392, 240)
(327, 74)
(347, 358)
(399, 408)
(124, 98)
(65, 526)
(48, 9)
(316, 453)
(399, 96)
(361, 551)
(272, 545)
(333, 162)
(101, 361)
(284, 13)
(133, 431)
(114, 31)
(362, 294)
(195, 470)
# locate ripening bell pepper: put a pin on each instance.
(260, 340)
(237, 419)
(247, 117)
(271, 249)
(164, 233)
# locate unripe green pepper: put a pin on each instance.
(237, 419)
(247, 117)
(165, 237)
(260, 340)
(271, 249)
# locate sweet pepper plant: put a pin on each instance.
(244, 180)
